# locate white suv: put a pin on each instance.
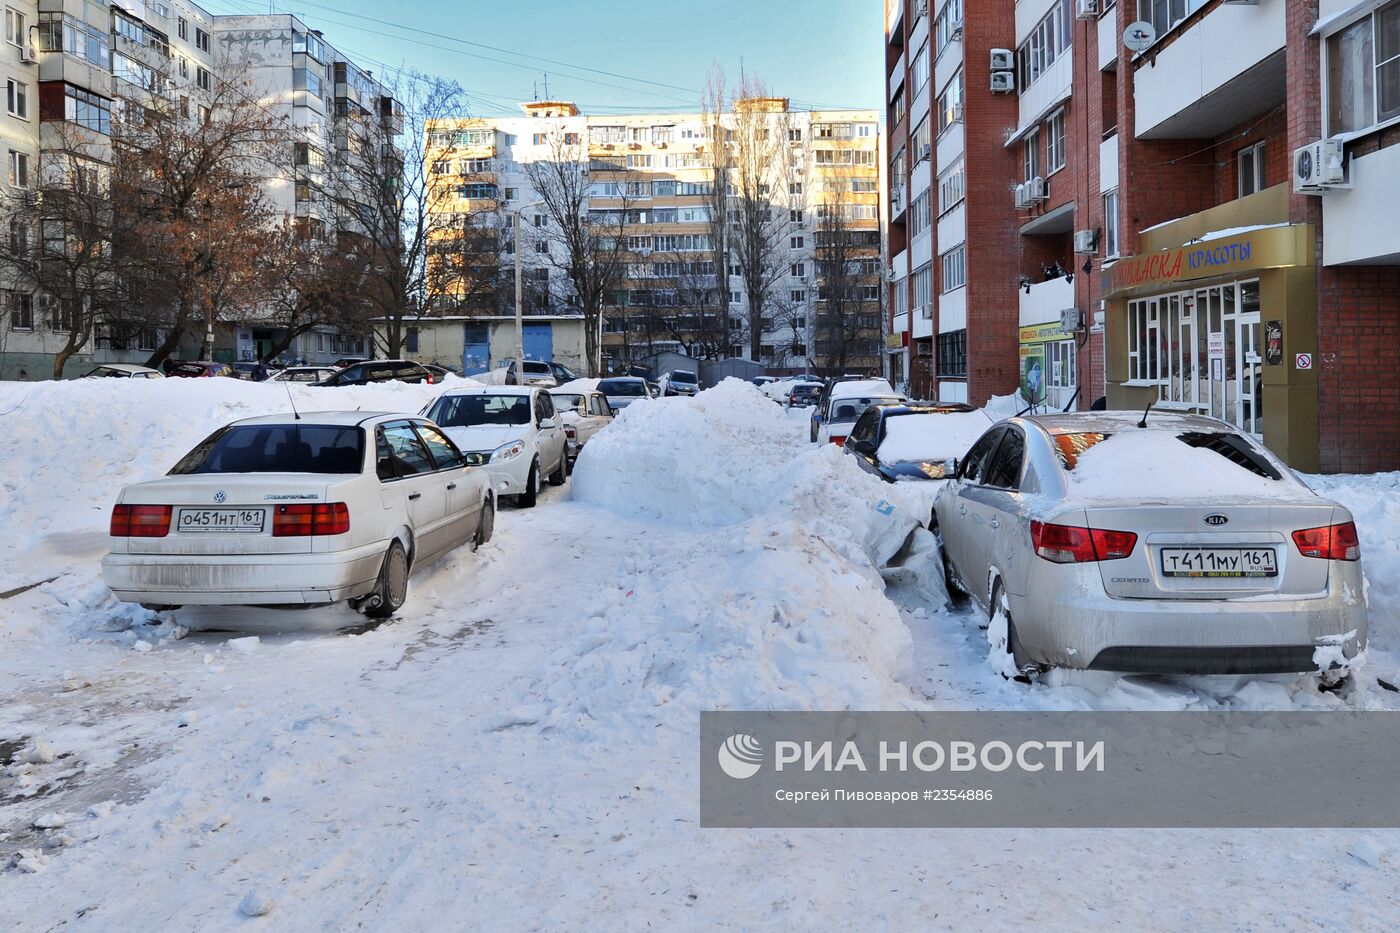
(513, 431)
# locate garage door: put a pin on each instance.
(539, 341)
(476, 357)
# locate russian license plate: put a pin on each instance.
(236, 521)
(1219, 562)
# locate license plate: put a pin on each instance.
(235, 521)
(1219, 562)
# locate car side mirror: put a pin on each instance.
(950, 467)
(546, 423)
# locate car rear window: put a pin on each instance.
(849, 409)
(611, 387)
(277, 448)
(188, 369)
(1233, 447)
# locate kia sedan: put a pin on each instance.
(1171, 544)
(288, 511)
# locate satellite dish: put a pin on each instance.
(1139, 36)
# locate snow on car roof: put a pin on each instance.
(322, 417)
(863, 387)
(1160, 465)
(932, 435)
(576, 387)
(1109, 422)
(126, 367)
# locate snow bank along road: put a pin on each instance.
(517, 749)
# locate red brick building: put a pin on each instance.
(1118, 211)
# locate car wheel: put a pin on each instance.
(485, 524)
(561, 472)
(1014, 667)
(391, 591)
(531, 495)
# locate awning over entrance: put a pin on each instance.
(1209, 257)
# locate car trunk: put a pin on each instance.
(1205, 550)
(246, 501)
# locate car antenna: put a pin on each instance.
(287, 384)
(1147, 411)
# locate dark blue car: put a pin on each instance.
(914, 441)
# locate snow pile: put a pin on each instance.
(1374, 502)
(1158, 465)
(932, 437)
(68, 447)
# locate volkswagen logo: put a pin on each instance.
(1216, 519)
(220, 496)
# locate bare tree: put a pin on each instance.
(587, 245)
(849, 294)
(59, 240)
(753, 164)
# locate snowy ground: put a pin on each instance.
(517, 749)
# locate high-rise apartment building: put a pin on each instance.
(68, 64)
(1176, 202)
(813, 247)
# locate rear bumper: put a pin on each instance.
(1069, 624)
(242, 579)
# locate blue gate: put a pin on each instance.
(539, 341)
(476, 353)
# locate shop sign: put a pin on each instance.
(1040, 333)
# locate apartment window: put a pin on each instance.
(950, 103)
(87, 109)
(1250, 168)
(1164, 14)
(797, 242)
(920, 219)
(952, 353)
(897, 107)
(954, 268)
(571, 139)
(639, 161)
(1030, 154)
(510, 194)
(952, 188)
(919, 68)
(201, 39)
(182, 28)
(1048, 41)
(17, 99)
(734, 299)
(539, 139)
(184, 67)
(1363, 72)
(1142, 341)
(948, 26)
(19, 170)
(14, 27)
(205, 80)
(1055, 143)
(921, 142)
(798, 298)
(1110, 225)
(799, 270)
(663, 135)
(303, 193)
(541, 246)
(21, 311)
(477, 192)
(795, 187)
(923, 291)
(308, 155)
(91, 43)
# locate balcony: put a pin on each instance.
(1044, 301)
(1212, 72)
(1360, 220)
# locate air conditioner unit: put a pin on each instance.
(1022, 199)
(1035, 189)
(926, 312)
(921, 8)
(1084, 242)
(956, 32)
(1071, 320)
(1318, 166)
(1087, 9)
(29, 55)
(925, 150)
(956, 115)
(1003, 81)
(1003, 60)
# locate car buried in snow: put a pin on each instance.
(1168, 544)
(513, 431)
(301, 511)
(622, 391)
(914, 441)
(583, 414)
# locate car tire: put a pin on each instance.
(485, 524)
(1013, 641)
(391, 590)
(531, 495)
(561, 473)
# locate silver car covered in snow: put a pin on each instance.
(1170, 543)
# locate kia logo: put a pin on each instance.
(1216, 519)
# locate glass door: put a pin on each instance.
(1250, 372)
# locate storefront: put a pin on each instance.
(1224, 326)
(1049, 366)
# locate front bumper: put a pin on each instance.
(510, 477)
(1069, 622)
(243, 579)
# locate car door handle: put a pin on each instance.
(416, 495)
(962, 510)
(995, 523)
(451, 485)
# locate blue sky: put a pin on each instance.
(818, 52)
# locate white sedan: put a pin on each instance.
(123, 371)
(306, 374)
(295, 511)
(513, 431)
(584, 413)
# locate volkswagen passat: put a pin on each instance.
(1166, 544)
(279, 511)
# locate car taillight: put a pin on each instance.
(1067, 544)
(430, 378)
(323, 518)
(838, 441)
(1331, 542)
(140, 521)
(570, 433)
